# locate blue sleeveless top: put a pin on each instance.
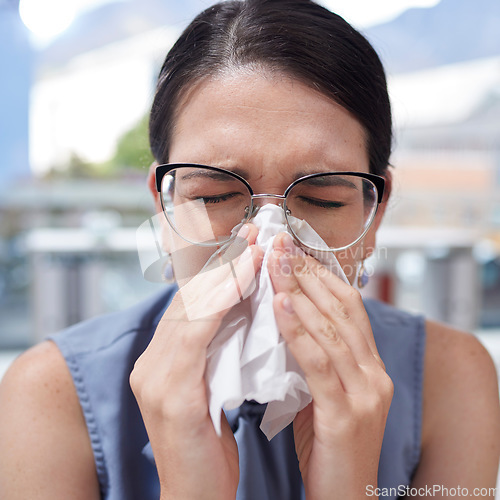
(101, 352)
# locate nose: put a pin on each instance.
(259, 200)
(265, 198)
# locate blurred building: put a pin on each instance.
(70, 253)
(444, 216)
(68, 250)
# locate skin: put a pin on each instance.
(271, 127)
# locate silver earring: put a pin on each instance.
(363, 277)
(167, 271)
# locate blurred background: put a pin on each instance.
(76, 81)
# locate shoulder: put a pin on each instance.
(38, 366)
(461, 411)
(446, 344)
(459, 372)
(42, 423)
(459, 361)
(41, 426)
(36, 379)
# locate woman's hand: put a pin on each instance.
(168, 383)
(338, 437)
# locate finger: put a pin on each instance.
(211, 294)
(177, 353)
(329, 366)
(247, 285)
(311, 281)
(351, 300)
(313, 360)
(346, 294)
(250, 232)
(218, 287)
(322, 330)
(232, 249)
(183, 339)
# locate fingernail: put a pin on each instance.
(244, 231)
(285, 265)
(287, 305)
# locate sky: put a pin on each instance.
(364, 13)
(56, 134)
(48, 18)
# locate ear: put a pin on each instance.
(151, 182)
(369, 239)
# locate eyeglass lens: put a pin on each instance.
(203, 206)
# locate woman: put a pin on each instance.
(271, 91)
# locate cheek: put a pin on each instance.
(187, 259)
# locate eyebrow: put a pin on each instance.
(329, 180)
(321, 181)
(210, 174)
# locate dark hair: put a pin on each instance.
(297, 37)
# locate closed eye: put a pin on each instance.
(322, 203)
(219, 198)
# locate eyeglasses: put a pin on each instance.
(206, 205)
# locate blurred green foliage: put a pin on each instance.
(132, 149)
(132, 153)
(77, 167)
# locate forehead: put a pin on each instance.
(263, 122)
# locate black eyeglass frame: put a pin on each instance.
(377, 180)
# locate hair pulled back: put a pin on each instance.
(297, 37)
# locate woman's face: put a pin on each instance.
(271, 129)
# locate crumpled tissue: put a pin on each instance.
(248, 359)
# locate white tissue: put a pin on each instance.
(248, 359)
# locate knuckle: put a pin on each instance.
(370, 408)
(134, 381)
(141, 389)
(295, 289)
(301, 269)
(381, 397)
(387, 386)
(379, 360)
(300, 330)
(136, 377)
(313, 264)
(341, 310)
(321, 364)
(354, 295)
(164, 403)
(329, 332)
(373, 403)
